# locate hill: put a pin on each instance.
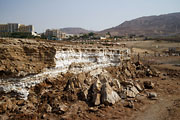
(72, 30)
(167, 24)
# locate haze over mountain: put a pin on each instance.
(75, 30)
(167, 24)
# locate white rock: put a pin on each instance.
(109, 96)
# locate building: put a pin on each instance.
(23, 28)
(55, 34)
(9, 28)
(13, 27)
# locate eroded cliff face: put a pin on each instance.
(19, 57)
(47, 61)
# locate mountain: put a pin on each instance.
(71, 30)
(167, 24)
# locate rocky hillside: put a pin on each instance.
(71, 30)
(20, 57)
(168, 24)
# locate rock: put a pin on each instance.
(81, 77)
(108, 95)
(133, 89)
(123, 94)
(72, 84)
(48, 108)
(128, 74)
(130, 93)
(152, 95)
(83, 95)
(9, 104)
(126, 83)
(96, 92)
(97, 86)
(93, 109)
(148, 85)
(138, 87)
(96, 99)
(116, 83)
(149, 72)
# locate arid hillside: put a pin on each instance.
(168, 24)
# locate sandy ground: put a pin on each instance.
(167, 106)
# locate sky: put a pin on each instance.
(89, 14)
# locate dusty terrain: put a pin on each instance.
(132, 90)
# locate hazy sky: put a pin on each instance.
(88, 14)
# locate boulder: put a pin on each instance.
(108, 95)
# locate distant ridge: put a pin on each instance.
(167, 24)
(75, 30)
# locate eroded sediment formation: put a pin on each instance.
(50, 63)
(96, 75)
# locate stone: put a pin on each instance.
(48, 108)
(116, 83)
(97, 86)
(128, 74)
(108, 95)
(133, 89)
(148, 85)
(126, 83)
(152, 95)
(130, 93)
(138, 87)
(9, 104)
(81, 77)
(96, 99)
(63, 107)
(83, 95)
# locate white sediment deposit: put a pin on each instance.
(70, 59)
